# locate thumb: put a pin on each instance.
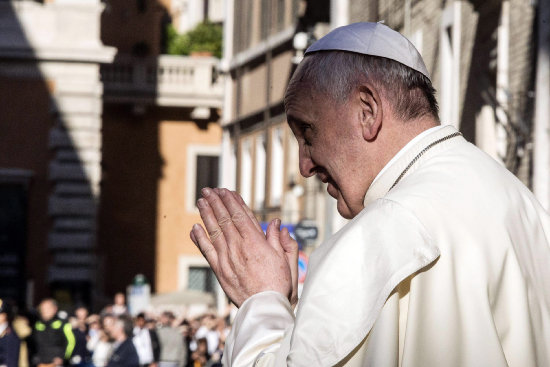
(273, 234)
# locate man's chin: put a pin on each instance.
(343, 209)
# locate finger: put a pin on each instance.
(248, 211)
(290, 246)
(223, 218)
(288, 243)
(239, 217)
(211, 224)
(199, 237)
(273, 234)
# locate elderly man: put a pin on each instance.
(446, 261)
(124, 351)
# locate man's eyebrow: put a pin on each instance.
(294, 119)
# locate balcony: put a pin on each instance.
(168, 81)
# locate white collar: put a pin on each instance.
(405, 148)
(391, 171)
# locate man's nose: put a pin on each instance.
(307, 167)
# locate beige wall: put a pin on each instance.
(174, 220)
(253, 90)
(280, 74)
(144, 220)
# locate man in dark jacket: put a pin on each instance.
(9, 341)
(124, 354)
(53, 339)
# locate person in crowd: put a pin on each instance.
(100, 343)
(53, 340)
(124, 352)
(119, 306)
(146, 342)
(81, 355)
(22, 326)
(200, 356)
(445, 261)
(208, 330)
(223, 330)
(9, 341)
(173, 352)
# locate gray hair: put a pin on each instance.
(125, 324)
(337, 74)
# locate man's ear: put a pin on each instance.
(371, 111)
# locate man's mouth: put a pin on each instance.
(332, 187)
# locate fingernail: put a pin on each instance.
(277, 223)
(205, 192)
(201, 204)
(222, 192)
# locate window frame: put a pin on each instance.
(193, 151)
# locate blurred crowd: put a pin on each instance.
(50, 337)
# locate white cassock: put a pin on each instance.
(450, 267)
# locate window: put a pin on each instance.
(207, 173)
(202, 170)
(202, 278)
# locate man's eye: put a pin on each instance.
(303, 130)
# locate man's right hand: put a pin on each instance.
(244, 260)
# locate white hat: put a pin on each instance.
(373, 39)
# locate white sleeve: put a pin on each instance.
(261, 331)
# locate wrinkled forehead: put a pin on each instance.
(302, 103)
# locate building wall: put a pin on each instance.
(127, 217)
(483, 74)
(147, 207)
(49, 56)
(148, 202)
(123, 25)
(25, 106)
(176, 213)
(522, 72)
(281, 68)
(253, 89)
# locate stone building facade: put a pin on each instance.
(104, 141)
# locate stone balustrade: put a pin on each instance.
(170, 81)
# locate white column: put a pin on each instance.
(228, 164)
(339, 13)
(541, 134)
(502, 82)
(228, 34)
(449, 38)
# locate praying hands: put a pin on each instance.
(245, 260)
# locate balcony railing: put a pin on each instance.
(174, 81)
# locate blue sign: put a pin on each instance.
(288, 226)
